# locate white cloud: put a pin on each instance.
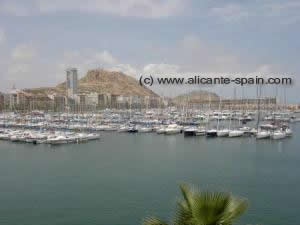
(87, 59)
(230, 13)
(278, 7)
(18, 69)
(132, 8)
(16, 8)
(274, 12)
(125, 68)
(2, 36)
(198, 55)
(285, 12)
(193, 56)
(23, 52)
(126, 8)
(266, 68)
(162, 69)
(24, 67)
(105, 57)
(21, 66)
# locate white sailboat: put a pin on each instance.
(288, 132)
(278, 134)
(201, 131)
(263, 134)
(260, 134)
(235, 133)
(221, 132)
(173, 129)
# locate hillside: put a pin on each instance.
(196, 97)
(102, 81)
(117, 83)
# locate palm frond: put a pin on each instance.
(153, 221)
(208, 207)
(204, 208)
(187, 194)
(183, 214)
(237, 206)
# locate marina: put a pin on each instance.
(52, 128)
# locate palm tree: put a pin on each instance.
(204, 208)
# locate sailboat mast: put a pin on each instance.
(258, 95)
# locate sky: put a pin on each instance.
(40, 39)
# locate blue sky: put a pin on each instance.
(39, 39)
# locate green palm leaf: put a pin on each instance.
(236, 207)
(153, 221)
(205, 208)
(208, 207)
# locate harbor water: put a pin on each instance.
(123, 177)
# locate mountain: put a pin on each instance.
(102, 81)
(196, 97)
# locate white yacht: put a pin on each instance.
(263, 134)
(211, 133)
(81, 137)
(223, 132)
(235, 133)
(201, 131)
(93, 136)
(288, 132)
(173, 129)
(278, 134)
(161, 130)
(5, 136)
(189, 131)
(123, 128)
(143, 129)
(56, 140)
(245, 129)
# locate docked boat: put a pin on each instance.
(132, 129)
(190, 131)
(106, 127)
(245, 129)
(173, 129)
(123, 128)
(93, 136)
(145, 129)
(263, 134)
(81, 137)
(5, 136)
(57, 140)
(268, 126)
(235, 133)
(161, 130)
(212, 133)
(201, 131)
(33, 137)
(288, 132)
(278, 134)
(253, 131)
(14, 138)
(223, 133)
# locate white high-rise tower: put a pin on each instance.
(72, 82)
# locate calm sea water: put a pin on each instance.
(125, 177)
